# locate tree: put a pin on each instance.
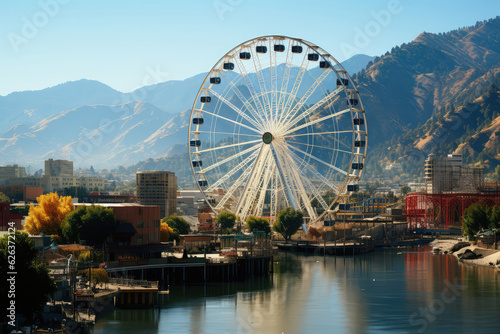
(4, 198)
(225, 221)
(99, 275)
(90, 223)
(166, 232)
(32, 281)
(258, 224)
(48, 216)
(79, 192)
(496, 174)
(72, 225)
(315, 232)
(178, 224)
(475, 218)
(405, 190)
(494, 217)
(390, 197)
(288, 221)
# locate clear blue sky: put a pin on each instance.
(120, 42)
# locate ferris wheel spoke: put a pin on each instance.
(246, 103)
(229, 120)
(296, 85)
(262, 83)
(251, 89)
(284, 82)
(248, 192)
(228, 146)
(290, 113)
(321, 147)
(265, 182)
(319, 160)
(234, 187)
(299, 185)
(316, 133)
(257, 189)
(284, 176)
(237, 110)
(313, 108)
(228, 133)
(315, 172)
(231, 158)
(314, 191)
(315, 121)
(274, 84)
(233, 171)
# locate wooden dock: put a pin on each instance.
(328, 248)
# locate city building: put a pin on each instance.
(22, 193)
(448, 174)
(29, 181)
(58, 167)
(97, 197)
(206, 222)
(58, 183)
(138, 232)
(58, 175)
(8, 172)
(394, 166)
(158, 188)
(417, 187)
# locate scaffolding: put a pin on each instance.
(448, 174)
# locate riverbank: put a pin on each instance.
(377, 292)
(485, 257)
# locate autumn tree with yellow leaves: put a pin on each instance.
(165, 232)
(48, 216)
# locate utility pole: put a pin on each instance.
(90, 270)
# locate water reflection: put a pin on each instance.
(391, 291)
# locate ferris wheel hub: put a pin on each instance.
(267, 137)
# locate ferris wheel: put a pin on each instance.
(277, 122)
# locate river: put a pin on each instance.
(407, 290)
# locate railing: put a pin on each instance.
(53, 331)
(133, 283)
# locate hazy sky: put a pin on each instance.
(126, 44)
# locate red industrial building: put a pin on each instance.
(451, 187)
(443, 210)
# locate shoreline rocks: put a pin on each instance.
(469, 254)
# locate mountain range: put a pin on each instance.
(435, 94)
(92, 124)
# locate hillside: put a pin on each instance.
(470, 126)
(407, 85)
